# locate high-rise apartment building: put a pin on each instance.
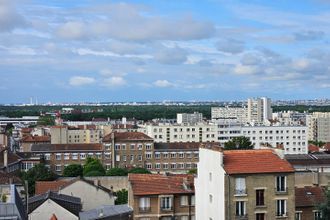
(259, 110)
(319, 126)
(187, 118)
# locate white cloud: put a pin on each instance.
(163, 83)
(231, 46)
(246, 70)
(72, 30)
(114, 81)
(172, 56)
(81, 80)
(9, 18)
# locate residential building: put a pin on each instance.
(319, 126)
(238, 114)
(6, 182)
(57, 156)
(92, 194)
(9, 161)
(244, 184)
(86, 134)
(189, 118)
(310, 162)
(108, 212)
(27, 141)
(165, 197)
(307, 201)
(169, 133)
(54, 205)
(289, 118)
(13, 208)
(259, 110)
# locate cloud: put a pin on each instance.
(9, 18)
(250, 59)
(172, 56)
(114, 81)
(308, 35)
(246, 70)
(163, 84)
(72, 30)
(231, 46)
(81, 80)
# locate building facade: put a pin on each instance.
(189, 118)
(237, 113)
(319, 126)
(259, 110)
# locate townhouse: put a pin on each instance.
(165, 197)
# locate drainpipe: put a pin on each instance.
(228, 199)
(113, 160)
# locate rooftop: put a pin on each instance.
(254, 161)
(309, 196)
(65, 147)
(106, 210)
(127, 136)
(36, 139)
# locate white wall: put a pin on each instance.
(210, 162)
(48, 208)
(91, 197)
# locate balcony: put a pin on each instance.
(241, 217)
(282, 215)
(144, 209)
(166, 208)
(240, 192)
(281, 191)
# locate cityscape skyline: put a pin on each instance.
(103, 51)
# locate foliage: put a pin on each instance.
(192, 171)
(325, 207)
(239, 143)
(95, 165)
(122, 197)
(3, 198)
(117, 172)
(139, 170)
(317, 143)
(73, 170)
(46, 120)
(37, 173)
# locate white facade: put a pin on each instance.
(240, 114)
(319, 126)
(210, 186)
(90, 195)
(259, 110)
(48, 208)
(186, 118)
(290, 118)
(166, 132)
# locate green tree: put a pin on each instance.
(139, 170)
(73, 170)
(93, 166)
(122, 197)
(325, 207)
(46, 120)
(239, 143)
(317, 143)
(192, 171)
(117, 172)
(37, 173)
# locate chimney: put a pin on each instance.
(96, 182)
(5, 158)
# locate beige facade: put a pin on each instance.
(75, 135)
(319, 126)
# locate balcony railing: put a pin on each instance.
(144, 209)
(281, 190)
(240, 192)
(282, 215)
(166, 208)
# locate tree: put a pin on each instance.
(46, 120)
(139, 170)
(325, 207)
(317, 143)
(95, 165)
(73, 170)
(37, 173)
(122, 197)
(239, 143)
(192, 171)
(117, 172)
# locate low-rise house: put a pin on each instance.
(244, 184)
(92, 194)
(108, 212)
(54, 205)
(307, 201)
(166, 197)
(9, 161)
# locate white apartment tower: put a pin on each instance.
(259, 110)
(187, 118)
(319, 126)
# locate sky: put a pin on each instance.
(179, 50)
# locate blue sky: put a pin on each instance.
(74, 51)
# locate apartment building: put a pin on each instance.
(27, 141)
(57, 156)
(244, 184)
(259, 110)
(293, 139)
(86, 134)
(289, 118)
(165, 197)
(237, 113)
(189, 118)
(319, 126)
(169, 133)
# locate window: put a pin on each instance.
(47, 156)
(184, 217)
(74, 156)
(124, 158)
(132, 146)
(280, 207)
(165, 155)
(210, 198)
(117, 147)
(281, 184)
(58, 156)
(157, 166)
(166, 203)
(148, 147)
(99, 155)
(240, 208)
(123, 146)
(260, 197)
(240, 186)
(173, 155)
(173, 165)
(140, 146)
(210, 176)
(144, 204)
(317, 215)
(157, 155)
(188, 155)
(181, 166)
(298, 216)
(260, 216)
(132, 158)
(184, 200)
(149, 166)
(106, 155)
(165, 166)
(58, 168)
(82, 156)
(181, 155)
(193, 200)
(148, 155)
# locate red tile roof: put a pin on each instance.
(44, 186)
(254, 161)
(156, 184)
(36, 139)
(313, 148)
(309, 196)
(128, 136)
